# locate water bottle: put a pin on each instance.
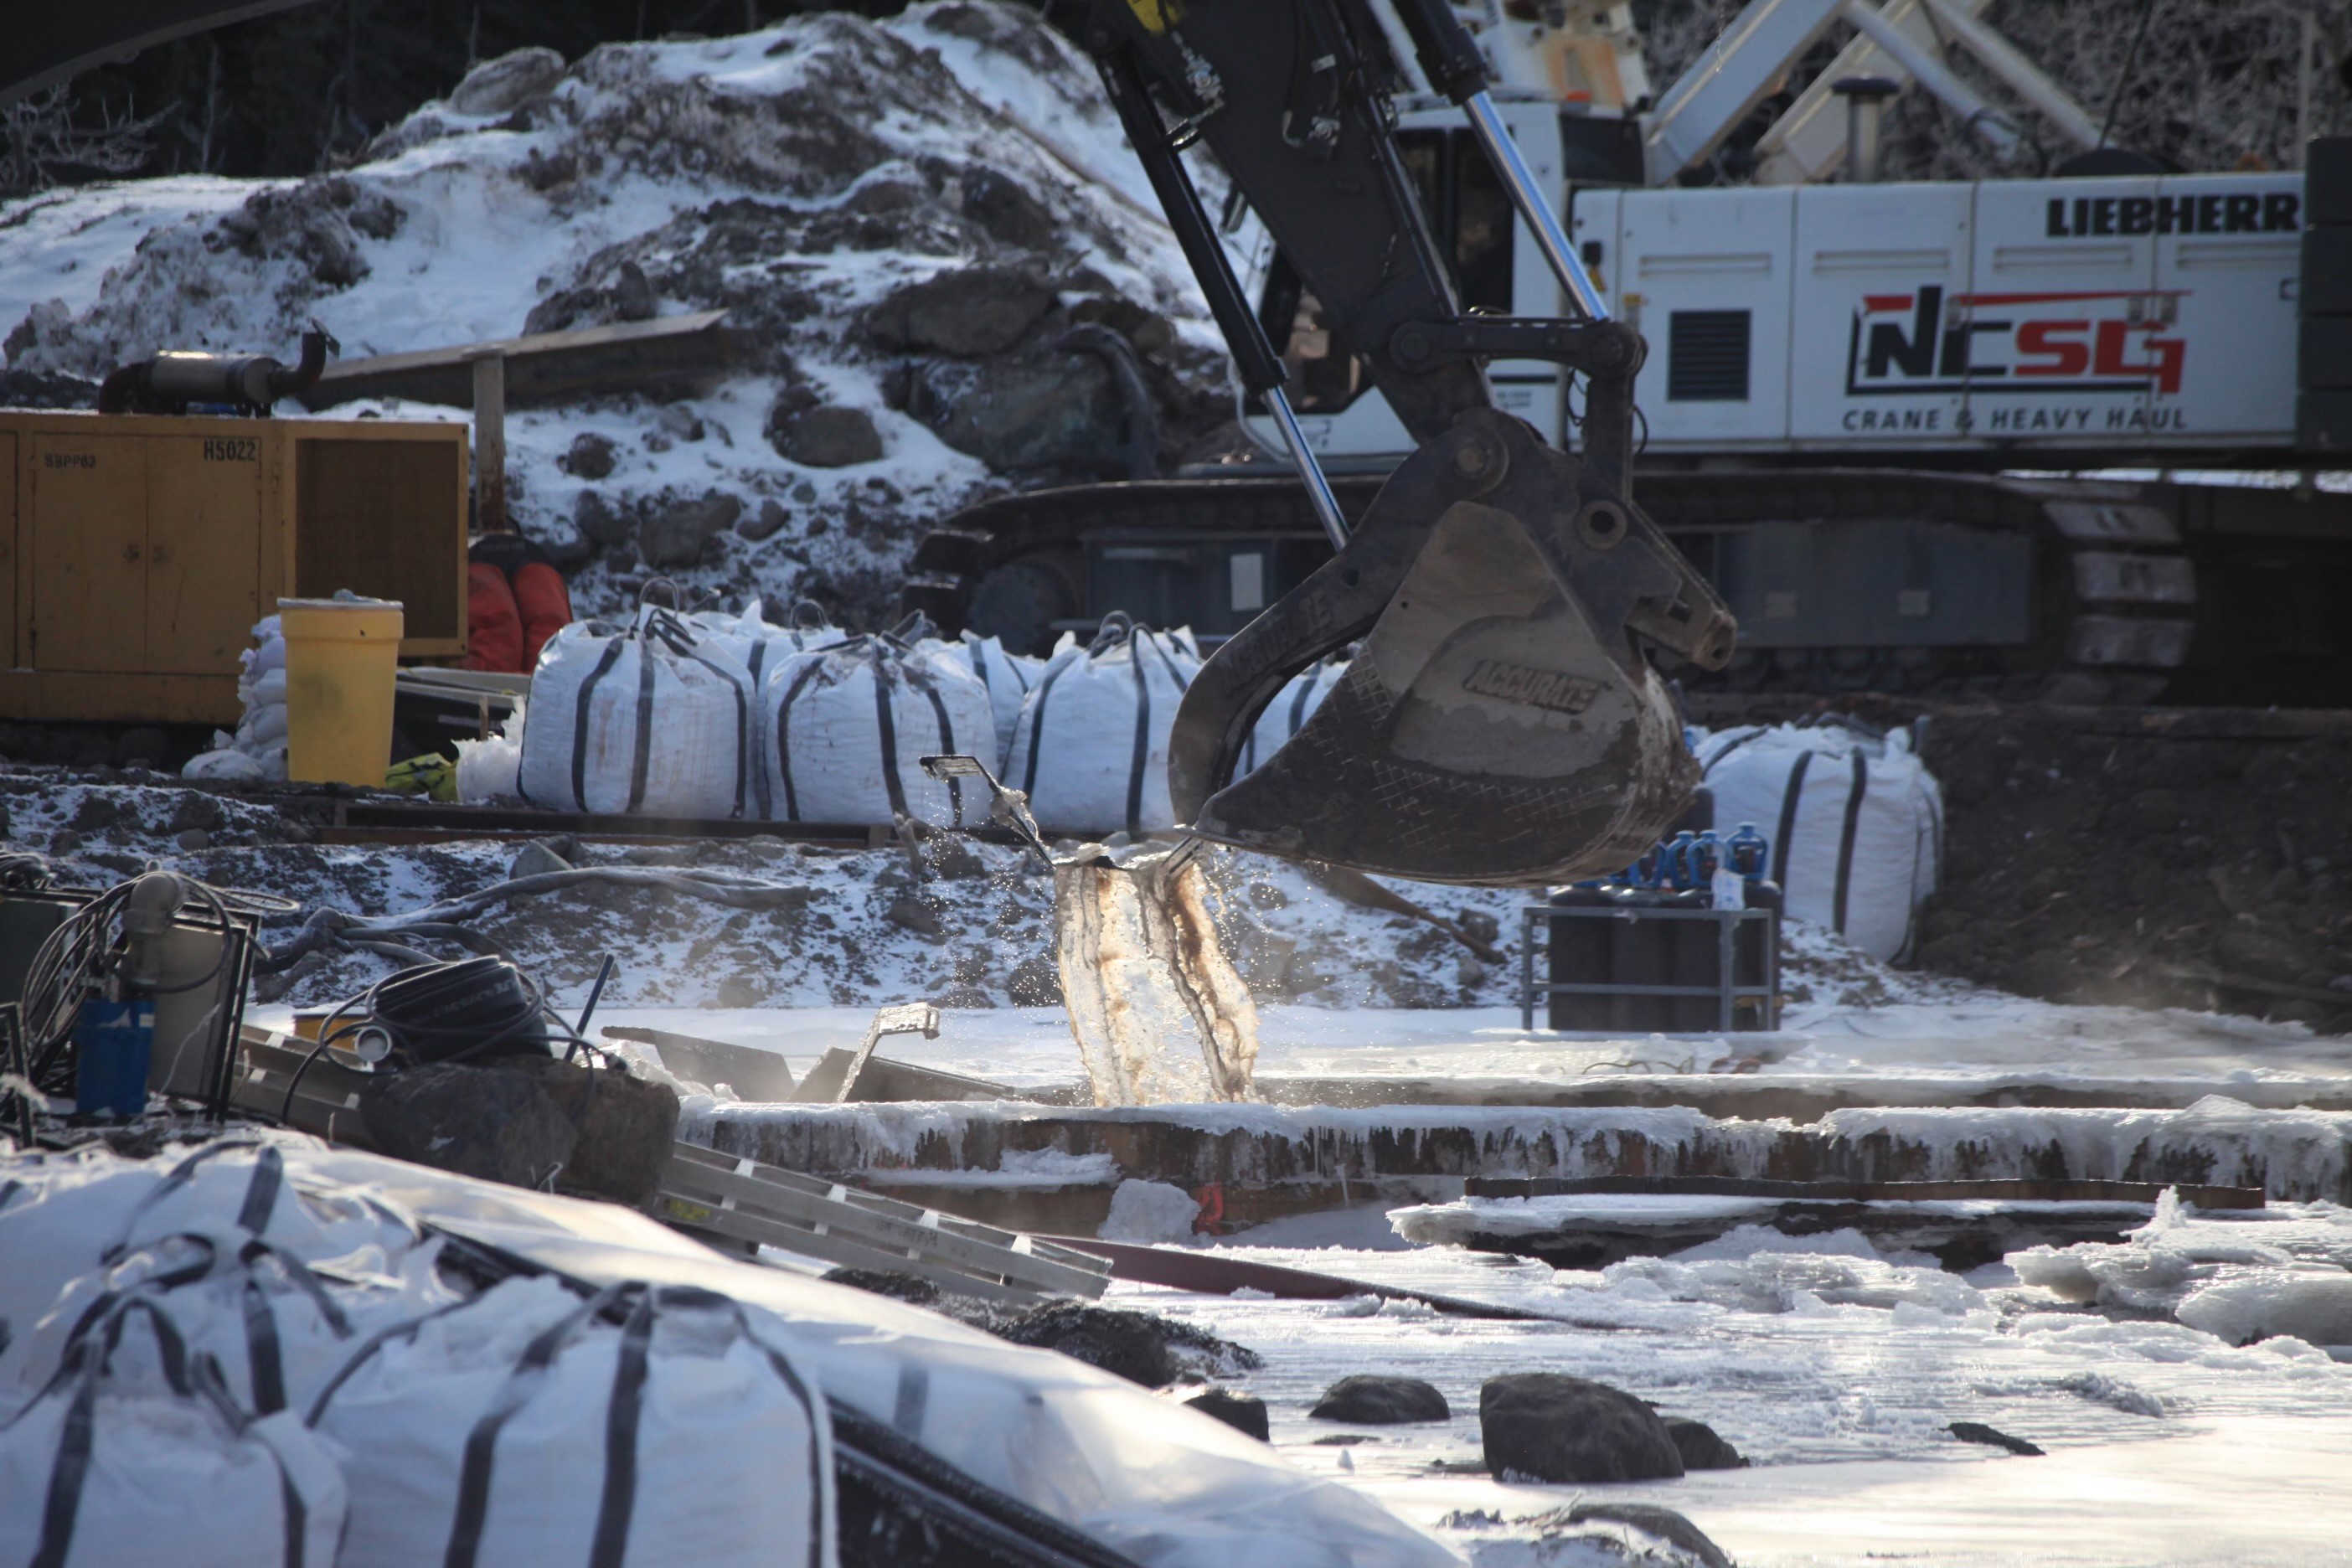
(1748, 852)
(1677, 858)
(1704, 856)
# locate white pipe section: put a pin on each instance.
(2024, 77)
(1534, 207)
(1932, 74)
(1310, 472)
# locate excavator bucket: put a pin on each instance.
(1499, 725)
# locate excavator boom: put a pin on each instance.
(1499, 724)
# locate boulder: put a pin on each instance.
(1663, 1523)
(1700, 1446)
(590, 457)
(1003, 206)
(1992, 1438)
(763, 523)
(507, 83)
(909, 912)
(474, 1121)
(1368, 1399)
(1242, 1412)
(1036, 983)
(1050, 409)
(909, 1288)
(626, 1126)
(832, 437)
(1138, 1346)
(598, 523)
(674, 536)
(537, 859)
(1547, 1427)
(972, 312)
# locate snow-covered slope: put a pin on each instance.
(794, 177)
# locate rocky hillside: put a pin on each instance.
(941, 262)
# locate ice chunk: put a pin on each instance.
(1149, 1212)
(2303, 1304)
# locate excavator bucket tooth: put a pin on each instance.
(1498, 725)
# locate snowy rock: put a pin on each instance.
(536, 859)
(1701, 1447)
(1003, 207)
(1992, 1437)
(1024, 411)
(1138, 1346)
(1368, 1399)
(1545, 1426)
(832, 438)
(1149, 1212)
(675, 536)
(762, 524)
(974, 311)
(1663, 1523)
(507, 83)
(909, 912)
(1242, 1412)
(1036, 983)
(626, 1127)
(599, 523)
(590, 457)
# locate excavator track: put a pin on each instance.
(2112, 613)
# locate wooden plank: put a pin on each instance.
(670, 352)
(442, 817)
(10, 653)
(736, 1224)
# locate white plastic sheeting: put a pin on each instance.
(649, 717)
(1166, 1486)
(1091, 747)
(1854, 820)
(847, 726)
(490, 770)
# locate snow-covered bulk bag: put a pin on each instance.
(1287, 713)
(756, 643)
(94, 1474)
(649, 719)
(1854, 821)
(524, 1430)
(257, 750)
(847, 727)
(74, 1217)
(1008, 677)
(1091, 747)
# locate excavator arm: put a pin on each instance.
(1499, 724)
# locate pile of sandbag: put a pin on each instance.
(257, 750)
(217, 1357)
(1854, 818)
(1090, 747)
(653, 717)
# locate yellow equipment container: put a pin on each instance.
(136, 551)
(341, 658)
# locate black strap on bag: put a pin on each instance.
(85, 1364)
(1845, 839)
(919, 680)
(253, 1214)
(807, 673)
(886, 730)
(1037, 718)
(580, 700)
(1792, 792)
(481, 1443)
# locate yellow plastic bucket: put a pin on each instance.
(341, 656)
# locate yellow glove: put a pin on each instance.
(432, 775)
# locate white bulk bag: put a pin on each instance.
(847, 727)
(1287, 713)
(522, 1431)
(95, 1477)
(1008, 677)
(650, 719)
(1856, 823)
(1091, 747)
(74, 1217)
